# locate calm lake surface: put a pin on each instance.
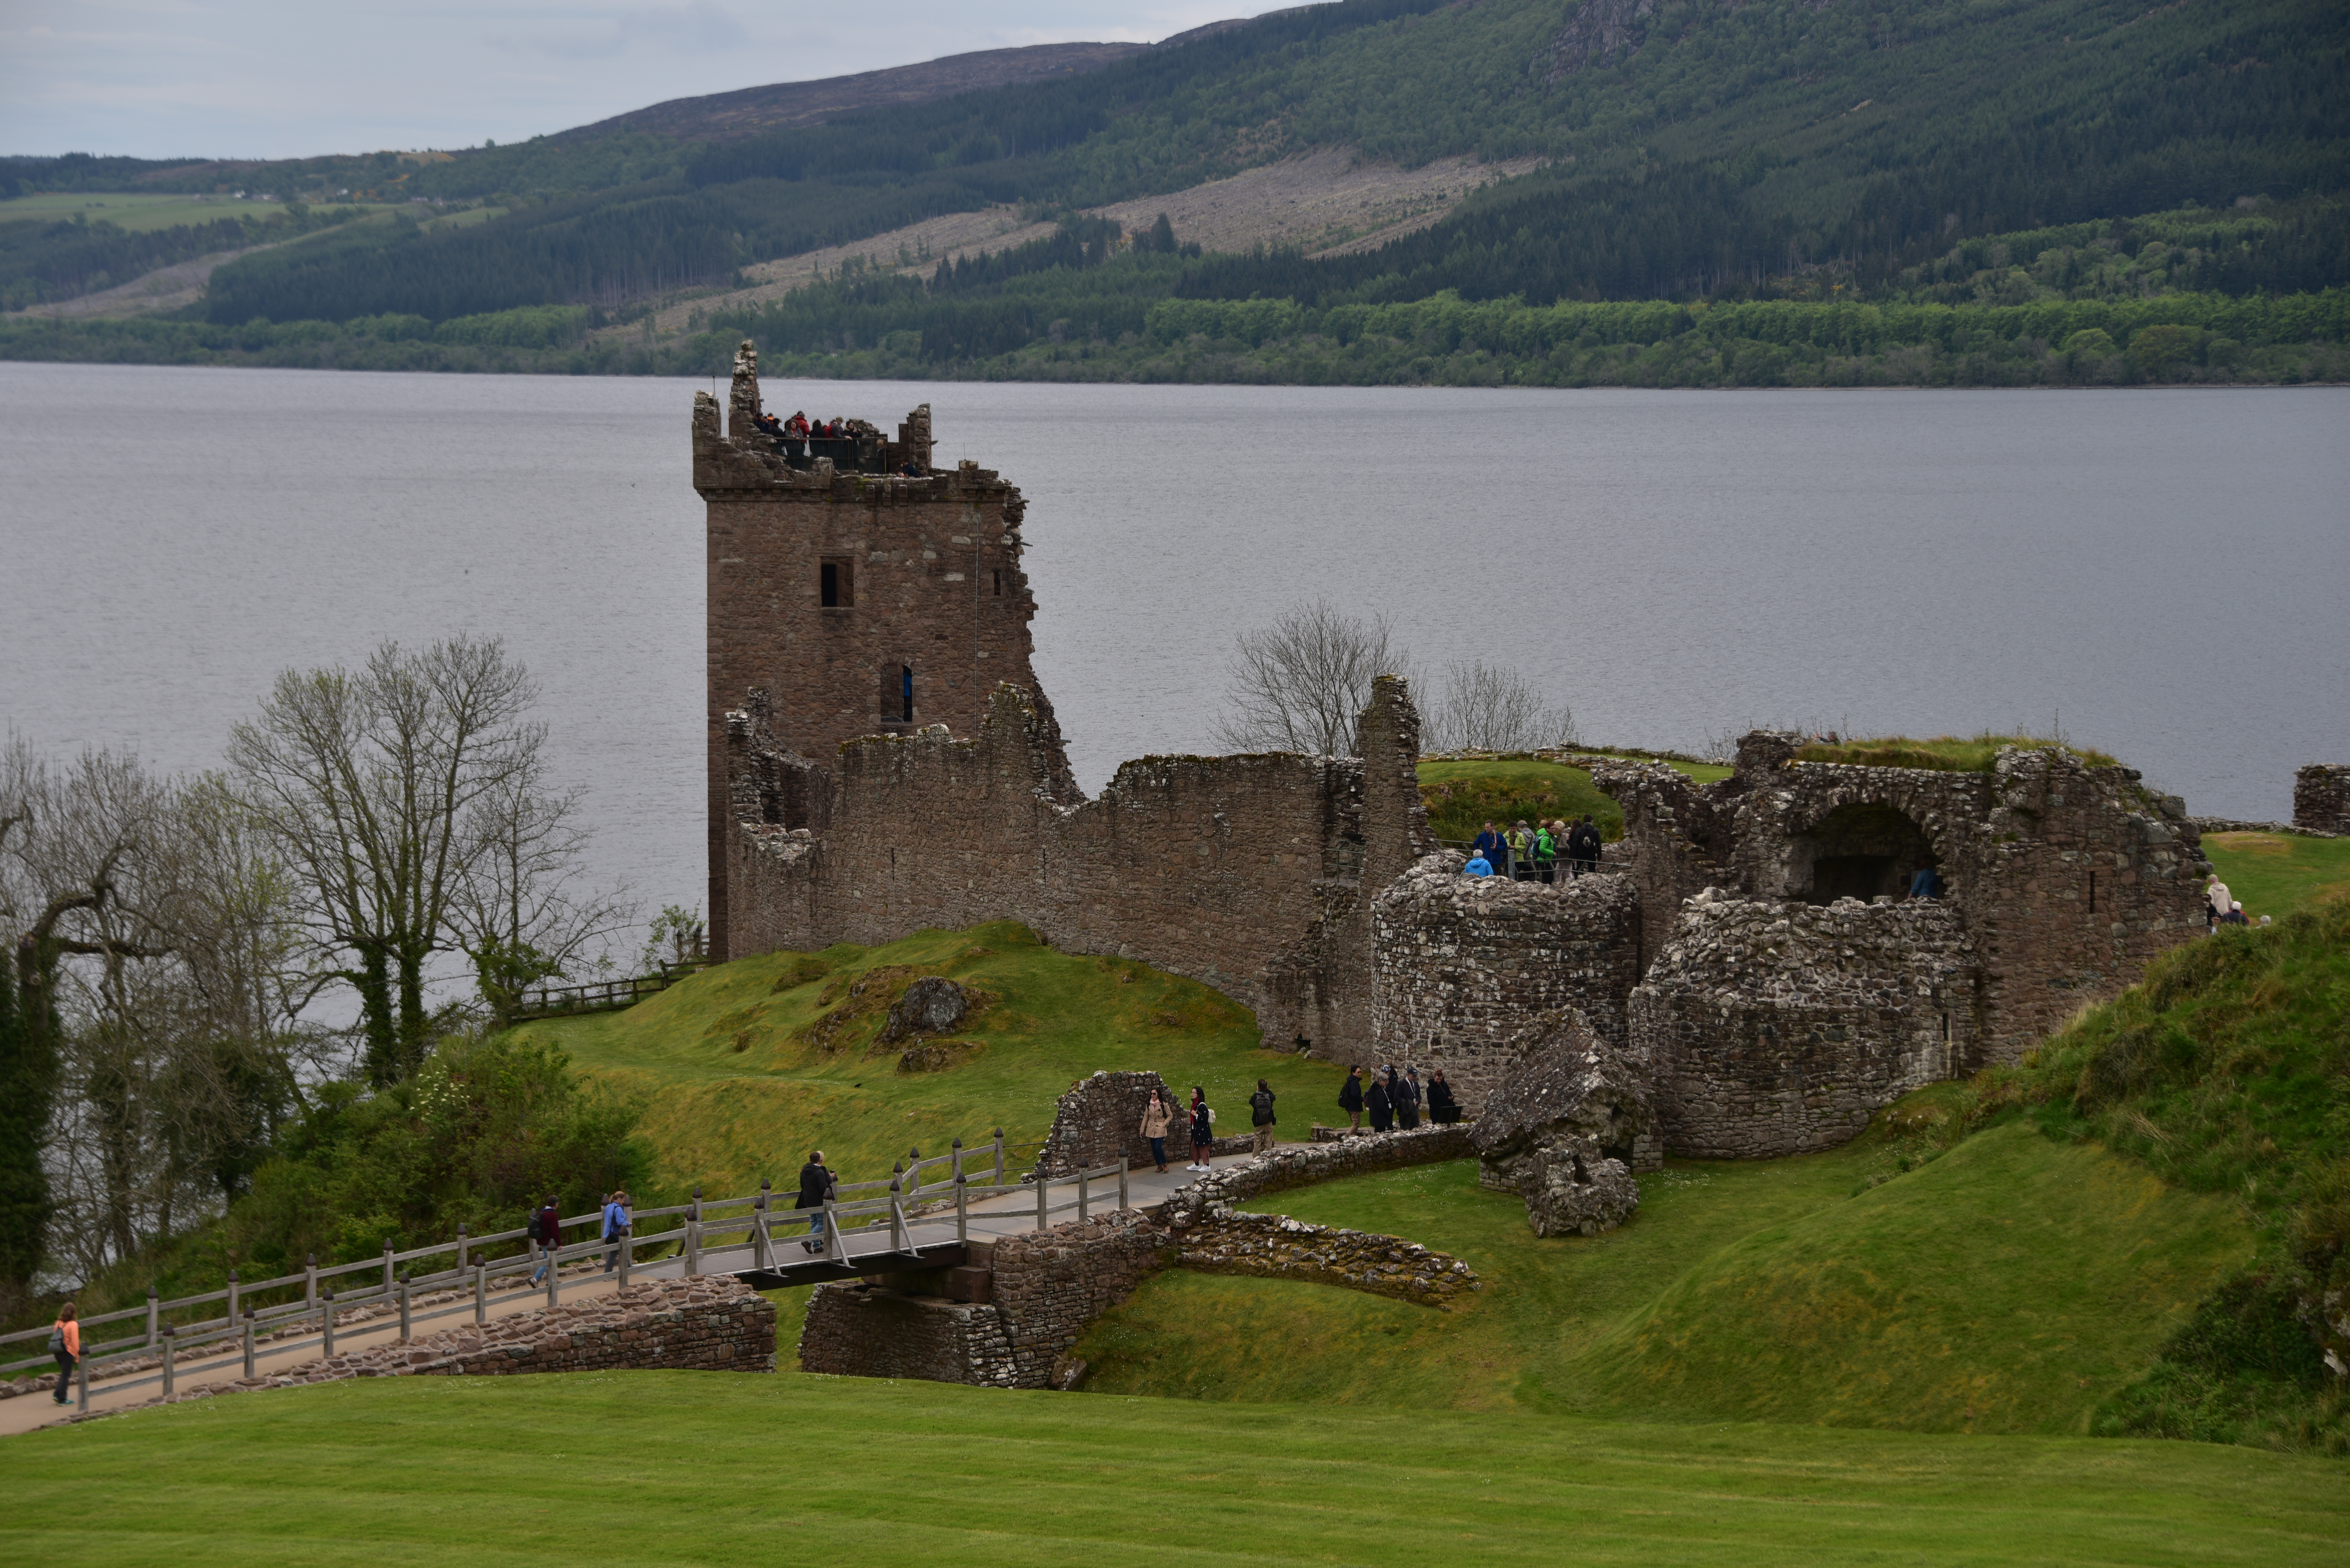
(2163, 573)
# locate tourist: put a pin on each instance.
(1442, 1108)
(1487, 846)
(1350, 1099)
(1545, 853)
(1926, 884)
(616, 1228)
(2235, 915)
(1587, 859)
(546, 1230)
(65, 1344)
(1157, 1117)
(1261, 1118)
(1203, 1131)
(1478, 867)
(1407, 1099)
(1380, 1104)
(817, 1187)
(2217, 902)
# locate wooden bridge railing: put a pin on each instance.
(599, 996)
(918, 1190)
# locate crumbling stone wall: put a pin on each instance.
(2321, 798)
(1304, 1164)
(1099, 1121)
(1274, 1246)
(1248, 873)
(1774, 1028)
(927, 573)
(1463, 967)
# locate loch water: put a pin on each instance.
(2161, 574)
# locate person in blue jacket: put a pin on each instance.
(1478, 867)
(616, 1229)
(1487, 846)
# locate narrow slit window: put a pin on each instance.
(905, 691)
(833, 587)
(999, 581)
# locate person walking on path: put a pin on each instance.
(616, 1229)
(1350, 1099)
(1408, 1099)
(1442, 1108)
(815, 1191)
(1261, 1119)
(65, 1344)
(1380, 1104)
(547, 1231)
(1158, 1116)
(1203, 1131)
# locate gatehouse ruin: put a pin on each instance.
(1750, 950)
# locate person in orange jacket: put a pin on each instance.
(65, 1344)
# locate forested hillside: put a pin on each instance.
(1971, 155)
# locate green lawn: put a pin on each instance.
(739, 1083)
(704, 1468)
(138, 213)
(2272, 873)
(1462, 795)
(2007, 1286)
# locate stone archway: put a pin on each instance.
(1863, 851)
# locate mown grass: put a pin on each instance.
(708, 1467)
(2275, 873)
(1949, 753)
(2006, 1287)
(745, 1067)
(1463, 794)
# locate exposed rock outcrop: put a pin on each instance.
(931, 1005)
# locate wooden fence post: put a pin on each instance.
(1081, 1194)
(481, 1291)
(461, 1247)
(693, 1235)
(1043, 1184)
(898, 1240)
(404, 1293)
(763, 1245)
(999, 1157)
(327, 1324)
(171, 1337)
(231, 1295)
(628, 1240)
(154, 1311)
(913, 1171)
(310, 1280)
(387, 1268)
(835, 1248)
(956, 1153)
(963, 1210)
(1121, 1182)
(248, 1343)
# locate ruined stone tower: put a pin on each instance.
(853, 590)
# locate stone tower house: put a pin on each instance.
(854, 589)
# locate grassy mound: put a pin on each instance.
(1463, 794)
(687, 1467)
(1947, 753)
(2274, 873)
(746, 1066)
(1865, 1287)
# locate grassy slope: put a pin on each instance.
(2007, 1286)
(725, 1116)
(2272, 873)
(1462, 794)
(702, 1468)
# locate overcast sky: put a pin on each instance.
(272, 78)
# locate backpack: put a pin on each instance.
(56, 1338)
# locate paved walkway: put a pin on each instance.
(1011, 1214)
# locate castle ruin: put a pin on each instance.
(883, 760)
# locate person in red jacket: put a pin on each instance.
(65, 1343)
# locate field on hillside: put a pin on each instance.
(706, 1468)
(2007, 1286)
(746, 1066)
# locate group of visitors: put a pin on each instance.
(1392, 1099)
(2220, 908)
(797, 427)
(1532, 852)
(1159, 1120)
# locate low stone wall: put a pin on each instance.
(704, 1322)
(1274, 1246)
(1303, 1165)
(2232, 824)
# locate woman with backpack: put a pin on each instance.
(65, 1344)
(1158, 1118)
(616, 1229)
(1203, 1131)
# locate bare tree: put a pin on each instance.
(1493, 708)
(1299, 684)
(407, 798)
(525, 912)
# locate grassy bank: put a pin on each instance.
(1462, 794)
(708, 1467)
(745, 1067)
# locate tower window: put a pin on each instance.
(999, 581)
(905, 691)
(834, 584)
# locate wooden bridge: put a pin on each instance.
(926, 1215)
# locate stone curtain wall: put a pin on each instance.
(1245, 873)
(2321, 798)
(933, 565)
(1101, 1119)
(1463, 967)
(862, 1331)
(1771, 1029)
(1304, 1164)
